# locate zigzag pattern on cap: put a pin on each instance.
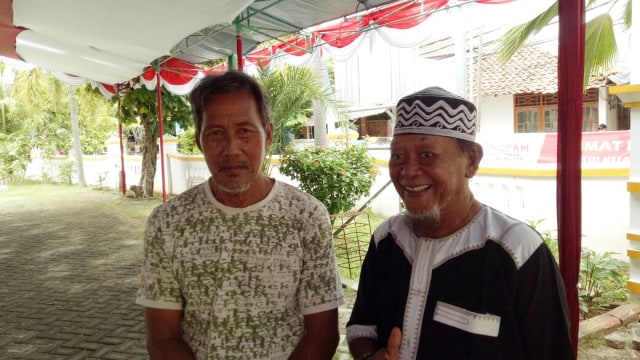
(439, 115)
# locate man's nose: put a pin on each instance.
(411, 167)
(232, 144)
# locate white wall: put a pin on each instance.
(496, 115)
(605, 200)
(605, 204)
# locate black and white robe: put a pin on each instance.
(492, 290)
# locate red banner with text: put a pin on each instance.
(600, 150)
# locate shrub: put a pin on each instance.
(66, 172)
(336, 177)
(602, 278)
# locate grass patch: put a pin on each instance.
(591, 342)
(352, 242)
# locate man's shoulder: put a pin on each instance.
(297, 195)
(190, 198)
(498, 224)
(516, 237)
(395, 226)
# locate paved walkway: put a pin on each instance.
(69, 262)
(69, 265)
(68, 279)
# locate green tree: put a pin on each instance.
(14, 156)
(97, 119)
(41, 115)
(42, 105)
(601, 47)
(292, 90)
(140, 106)
(187, 142)
(3, 99)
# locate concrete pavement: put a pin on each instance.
(68, 277)
(69, 265)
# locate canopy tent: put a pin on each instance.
(389, 21)
(104, 41)
(176, 75)
(115, 41)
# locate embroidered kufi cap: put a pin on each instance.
(435, 111)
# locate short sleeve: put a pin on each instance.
(320, 288)
(158, 285)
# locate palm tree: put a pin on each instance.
(601, 47)
(42, 106)
(292, 91)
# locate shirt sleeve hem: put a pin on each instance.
(159, 304)
(362, 331)
(323, 307)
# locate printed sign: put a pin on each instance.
(608, 149)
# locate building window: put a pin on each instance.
(539, 112)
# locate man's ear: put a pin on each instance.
(474, 155)
(269, 135)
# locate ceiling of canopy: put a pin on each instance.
(265, 20)
(114, 41)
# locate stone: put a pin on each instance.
(616, 341)
(627, 313)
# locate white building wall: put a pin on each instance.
(496, 114)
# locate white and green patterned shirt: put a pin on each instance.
(243, 277)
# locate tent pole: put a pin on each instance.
(161, 132)
(123, 177)
(239, 48)
(569, 188)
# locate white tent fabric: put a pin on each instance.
(114, 41)
(76, 80)
(111, 41)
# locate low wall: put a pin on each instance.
(525, 189)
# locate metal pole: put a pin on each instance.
(161, 131)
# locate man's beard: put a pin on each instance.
(429, 219)
(235, 188)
